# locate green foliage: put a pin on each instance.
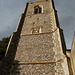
(3, 46)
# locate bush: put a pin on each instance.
(3, 46)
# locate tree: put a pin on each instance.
(3, 46)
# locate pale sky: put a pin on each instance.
(10, 11)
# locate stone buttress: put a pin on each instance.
(37, 47)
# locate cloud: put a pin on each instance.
(10, 11)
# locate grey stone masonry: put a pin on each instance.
(37, 47)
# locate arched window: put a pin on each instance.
(37, 10)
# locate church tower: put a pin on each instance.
(37, 47)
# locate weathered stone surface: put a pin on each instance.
(73, 55)
(38, 39)
(35, 69)
(33, 48)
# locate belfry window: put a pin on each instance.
(37, 10)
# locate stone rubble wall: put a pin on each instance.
(41, 47)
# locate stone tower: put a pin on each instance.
(37, 47)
